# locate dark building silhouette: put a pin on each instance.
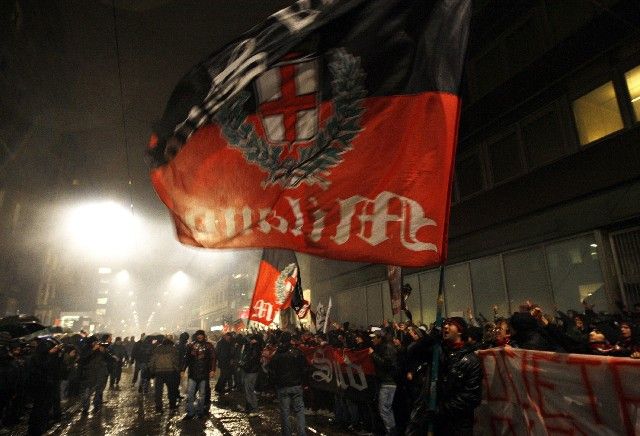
(547, 198)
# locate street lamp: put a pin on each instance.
(104, 229)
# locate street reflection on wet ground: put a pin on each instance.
(127, 412)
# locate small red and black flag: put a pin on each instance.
(277, 279)
(328, 129)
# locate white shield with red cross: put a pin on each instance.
(288, 101)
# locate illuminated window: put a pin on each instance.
(102, 300)
(633, 83)
(597, 114)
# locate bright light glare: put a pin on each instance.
(179, 281)
(104, 270)
(103, 229)
(122, 277)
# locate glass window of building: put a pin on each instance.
(353, 298)
(386, 300)
(526, 273)
(597, 114)
(543, 139)
(457, 289)
(429, 294)
(374, 304)
(633, 83)
(575, 273)
(469, 175)
(488, 286)
(504, 157)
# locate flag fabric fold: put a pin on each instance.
(328, 129)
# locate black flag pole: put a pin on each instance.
(437, 351)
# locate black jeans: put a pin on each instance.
(224, 379)
(169, 379)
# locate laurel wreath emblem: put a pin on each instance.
(281, 289)
(334, 140)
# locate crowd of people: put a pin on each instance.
(39, 374)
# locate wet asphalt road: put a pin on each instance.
(127, 412)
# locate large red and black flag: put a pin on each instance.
(328, 129)
(278, 278)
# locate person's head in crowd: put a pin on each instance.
(168, 340)
(501, 332)
(578, 321)
(118, 339)
(626, 330)
(597, 336)
(402, 326)
(377, 337)
(415, 333)
(454, 330)
(199, 336)
(345, 326)
(598, 343)
(285, 339)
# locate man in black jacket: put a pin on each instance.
(135, 349)
(201, 361)
(250, 365)
(119, 352)
(459, 381)
(286, 371)
(224, 353)
(385, 360)
(163, 366)
(44, 381)
(93, 373)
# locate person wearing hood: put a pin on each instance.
(287, 370)
(164, 366)
(200, 359)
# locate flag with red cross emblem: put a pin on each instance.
(328, 129)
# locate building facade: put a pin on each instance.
(546, 202)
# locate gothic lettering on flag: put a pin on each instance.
(328, 129)
(278, 275)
